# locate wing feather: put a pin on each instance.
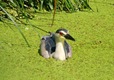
(68, 50)
(47, 46)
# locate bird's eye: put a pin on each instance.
(61, 33)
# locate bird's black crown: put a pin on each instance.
(62, 29)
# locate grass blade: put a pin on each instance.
(10, 17)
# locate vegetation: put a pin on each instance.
(22, 8)
(16, 9)
(93, 51)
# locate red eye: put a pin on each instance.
(61, 33)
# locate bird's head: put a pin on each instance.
(64, 34)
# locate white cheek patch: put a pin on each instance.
(63, 32)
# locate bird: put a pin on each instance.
(56, 46)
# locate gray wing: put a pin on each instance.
(68, 50)
(47, 46)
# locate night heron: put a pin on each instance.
(55, 45)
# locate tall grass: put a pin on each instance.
(21, 6)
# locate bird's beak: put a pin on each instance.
(68, 36)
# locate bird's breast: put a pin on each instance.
(59, 53)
